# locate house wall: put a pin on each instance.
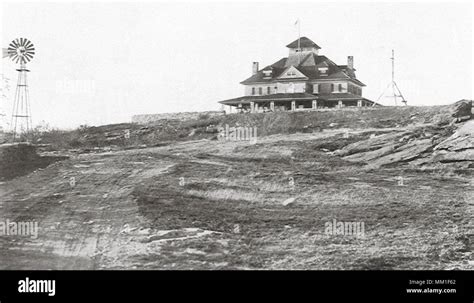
(291, 87)
(355, 89)
(304, 49)
(276, 88)
(302, 86)
(347, 87)
(326, 87)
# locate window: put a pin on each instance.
(315, 88)
(291, 73)
(269, 90)
(323, 71)
(260, 91)
(332, 87)
(340, 87)
(253, 90)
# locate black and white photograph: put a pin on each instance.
(163, 137)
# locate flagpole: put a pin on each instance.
(299, 34)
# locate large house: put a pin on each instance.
(303, 80)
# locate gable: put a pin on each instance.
(292, 73)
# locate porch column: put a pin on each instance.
(359, 103)
(272, 106)
(293, 105)
(315, 104)
(339, 104)
(256, 107)
(252, 105)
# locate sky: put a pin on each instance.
(99, 63)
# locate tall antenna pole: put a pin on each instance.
(393, 65)
(393, 77)
(395, 90)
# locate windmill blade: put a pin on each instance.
(5, 53)
(20, 50)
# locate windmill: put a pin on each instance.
(396, 93)
(21, 51)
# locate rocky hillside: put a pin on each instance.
(426, 136)
(427, 145)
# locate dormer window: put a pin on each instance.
(267, 73)
(323, 71)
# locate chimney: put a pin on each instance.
(254, 68)
(350, 62)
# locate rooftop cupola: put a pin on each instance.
(303, 44)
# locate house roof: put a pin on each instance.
(341, 96)
(291, 97)
(308, 64)
(304, 42)
(282, 97)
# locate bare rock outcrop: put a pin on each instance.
(461, 109)
(423, 145)
(372, 144)
(457, 112)
(458, 147)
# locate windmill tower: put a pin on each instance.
(21, 51)
(393, 87)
